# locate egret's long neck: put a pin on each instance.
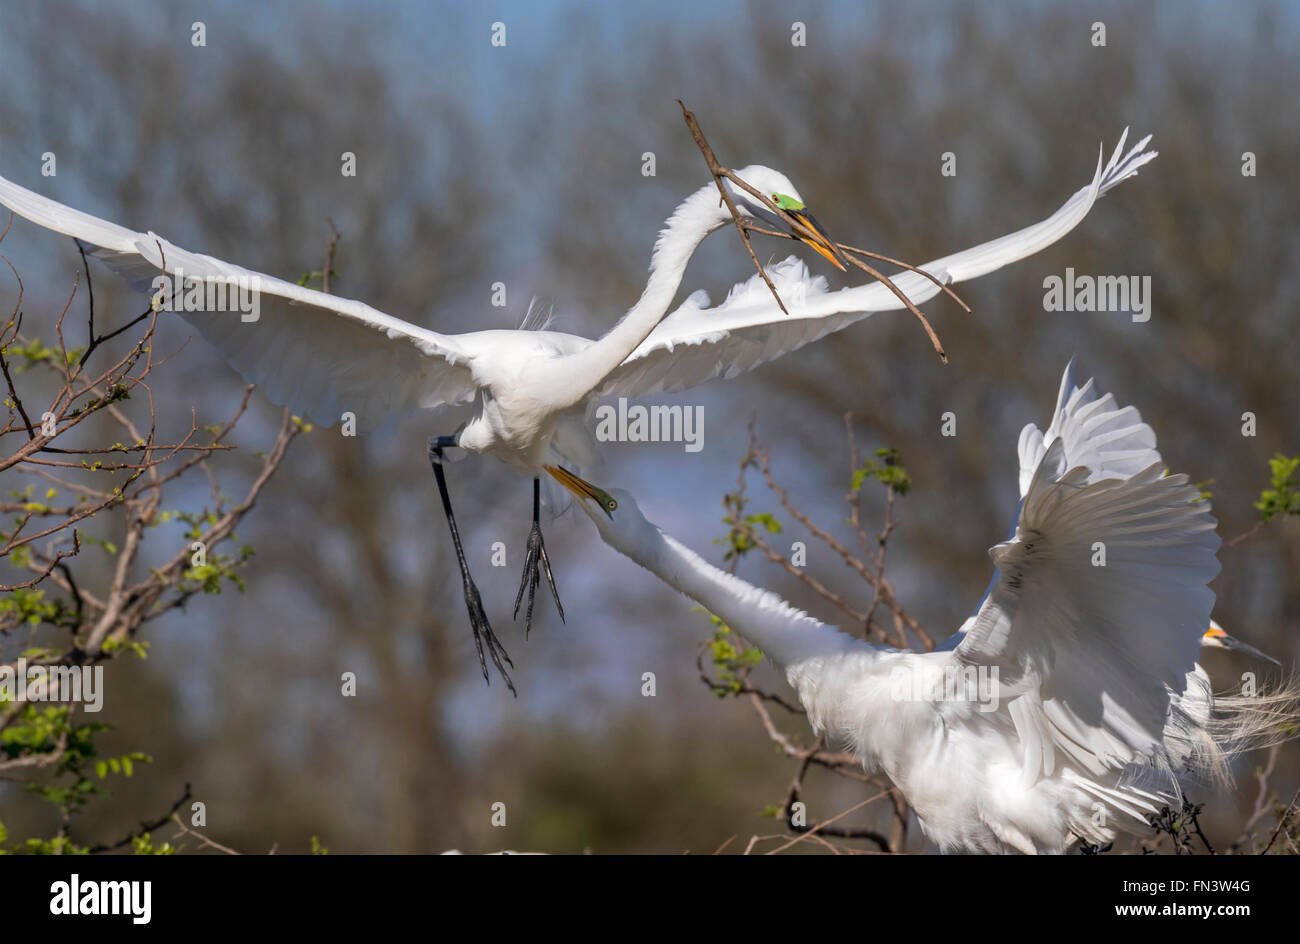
(789, 636)
(694, 218)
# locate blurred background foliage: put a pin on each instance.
(522, 164)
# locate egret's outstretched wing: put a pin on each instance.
(696, 343)
(1108, 440)
(1111, 441)
(1097, 615)
(320, 355)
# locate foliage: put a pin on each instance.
(887, 469)
(732, 660)
(84, 618)
(52, 738)
(1282, 498)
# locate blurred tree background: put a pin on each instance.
(522, 164)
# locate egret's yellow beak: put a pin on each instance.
(583, 489)
(823, 243)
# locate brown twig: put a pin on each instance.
(185, 830)
(822, 827)
(1282, 821)
(719, 173)
(798, 227)
(1248, 533)
(943, 286)
(884, 588)
(329, 257)
(849, 251)
(877, 274)
(1262, 795)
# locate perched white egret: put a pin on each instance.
(524, 396)
(1070, 706)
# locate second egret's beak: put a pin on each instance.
(1216, 638)
(823, 243)
(583, 489)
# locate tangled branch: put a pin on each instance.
(82, 428)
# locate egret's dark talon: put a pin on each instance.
(536, 562)
(478, 621)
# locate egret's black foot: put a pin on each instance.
(535, 564)
(478, 622)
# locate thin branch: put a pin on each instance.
(876, 273)
(145, 827)
(719, 172)
(76, 549)
(1248, 533)
(1281, 822)
(943, 286)
(202, 838)
(885, 589)
(329, 257)
(822, 827)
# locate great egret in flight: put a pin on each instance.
(524, 395)
(529, 389)
(1071, 704)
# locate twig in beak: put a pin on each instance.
(844, 247)
(719, 172)
(911, 268)
(934, 338)
(880, 276)
(798, 226)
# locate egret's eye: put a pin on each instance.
(787, 202)
(611, 504)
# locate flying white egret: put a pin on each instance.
(527, 391)
(1070, 705)
(524, 396)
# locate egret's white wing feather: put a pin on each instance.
(696, 343)
(303, 355)
(1109, 440)
(1099, 650)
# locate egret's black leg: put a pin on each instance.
(478, 620)
(535, 563)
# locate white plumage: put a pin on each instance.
(1071, 705)
(696, 342)
(324, 354)
(524, 395)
